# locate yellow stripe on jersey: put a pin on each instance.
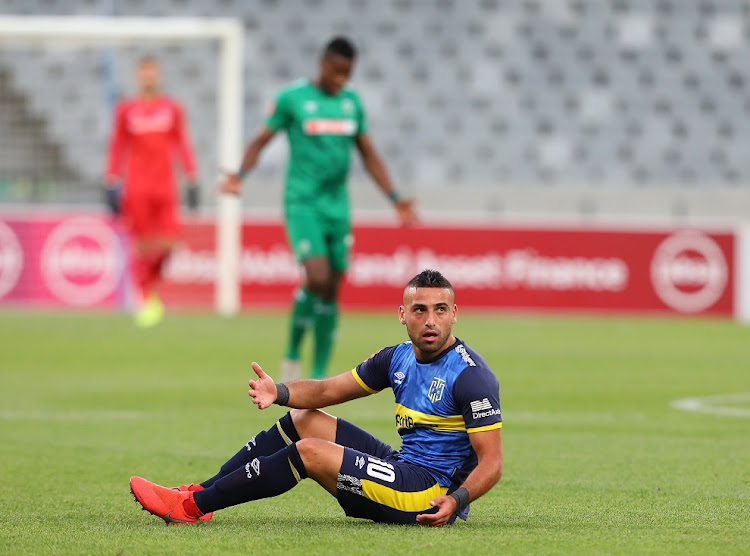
(486, 428)
(409, 419)
(362, 382)
(405, 501)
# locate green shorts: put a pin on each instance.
(312, 235)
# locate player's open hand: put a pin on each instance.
(231, 184)
(405, 211)
(263, 390)
(446, 508)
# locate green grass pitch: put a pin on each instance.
(596, 460)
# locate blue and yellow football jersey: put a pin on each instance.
(438, 404)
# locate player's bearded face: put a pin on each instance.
(429, 315)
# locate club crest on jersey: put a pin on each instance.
(310, 106)
(347, 106)
(304, 246)
(435, 393)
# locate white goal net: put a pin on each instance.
(60, 78)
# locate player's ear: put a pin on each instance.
(455, 313)
(402, 314)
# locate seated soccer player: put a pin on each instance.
(447, 413)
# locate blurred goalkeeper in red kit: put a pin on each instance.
(148, 138)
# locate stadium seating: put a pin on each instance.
(481, 97)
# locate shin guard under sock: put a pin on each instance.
(262, 477)
(265, 443)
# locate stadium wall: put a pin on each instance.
(79, 260)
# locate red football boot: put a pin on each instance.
(167, 503)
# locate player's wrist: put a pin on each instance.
(461, 496)
(394, 197)
(241, 173)
(282, 394)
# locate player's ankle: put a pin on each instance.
(191, 508)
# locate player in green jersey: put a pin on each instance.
(323, 119)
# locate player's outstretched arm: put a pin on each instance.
(377, 169)
(489, 469)
(233, 182)
(305, 394)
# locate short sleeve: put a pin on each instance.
(280, 114)
(373, 374)
(477, 394)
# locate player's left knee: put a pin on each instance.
(311, 450)
(319, 283)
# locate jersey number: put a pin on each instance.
(380, 470)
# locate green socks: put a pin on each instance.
(302, 319)
(310, 311)
(326, 317)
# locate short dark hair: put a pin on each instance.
(341, 46)
(429, 278)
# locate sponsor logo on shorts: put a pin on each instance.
(359, 461)
(11, 259)
(689, 271)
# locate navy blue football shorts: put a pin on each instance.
(374, 484)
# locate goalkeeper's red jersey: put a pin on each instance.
(148, 138)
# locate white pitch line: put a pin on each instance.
(97, 415)
(84, 416)
(714, 405)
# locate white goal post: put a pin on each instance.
(229, 33)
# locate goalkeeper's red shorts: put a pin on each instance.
(151, 217)
(374, 484)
